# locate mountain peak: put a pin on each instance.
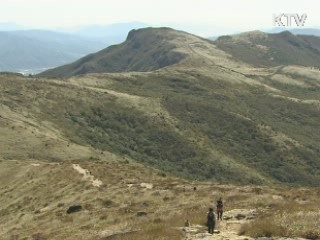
(146, 49)
(149, 30)
(251, 36)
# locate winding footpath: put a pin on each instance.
(228, 228)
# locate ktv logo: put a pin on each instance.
(285, 19)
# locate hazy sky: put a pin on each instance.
(204, 17)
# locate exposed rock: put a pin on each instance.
(227, 217)
(141, 213)
(251, 216)
(74, 208)
(240, 216)
(109, 234)
(190, 229)
(87, 175)
(35, 164)
(146, 185)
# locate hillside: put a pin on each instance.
(34, 50)
(262, 49)
(135, 202)
(144, 50)
(208, 116)
(140, 153)
(154, 48)
(251, 127)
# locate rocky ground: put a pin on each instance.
(228, 228)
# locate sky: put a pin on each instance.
(202, 17)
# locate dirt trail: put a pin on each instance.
(87, 175)
(228, 228)
(225, 229)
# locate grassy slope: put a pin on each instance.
(232, 125)
(145, 50)
(261, 49)
(273, 136)
(187, 124)
(35, 196)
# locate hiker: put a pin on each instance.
(211, 221)
(219, 208)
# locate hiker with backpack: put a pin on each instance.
(211, 221)
(219, 208)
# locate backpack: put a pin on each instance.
(211, 216)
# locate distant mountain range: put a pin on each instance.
(298, 31)
(37, 49)
(33, 51)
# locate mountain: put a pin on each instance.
(150, 49)
(191, 109)
(140, 155)
(144, 50)
(262, 49)
(37, 49)
(298, 31)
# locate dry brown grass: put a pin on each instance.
(35, 198)
(297, 216)
(156, 229)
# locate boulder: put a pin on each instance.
(227, 217)
(141, 213)
(74, 208)
(240, 216)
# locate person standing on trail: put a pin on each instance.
(211, 221)
(219, 208)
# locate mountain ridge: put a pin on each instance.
(203, 115)
(166, 47)
(32, 49)
(267, 50)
